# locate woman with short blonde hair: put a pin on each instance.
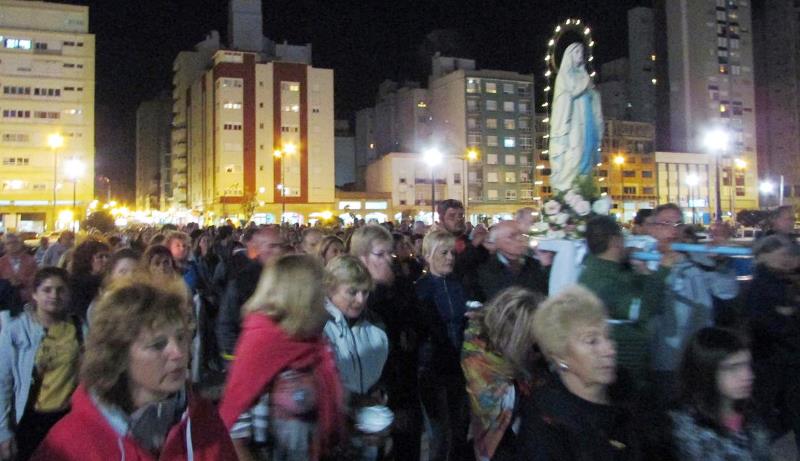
(134, 400)
(571, 416)
(283, 376)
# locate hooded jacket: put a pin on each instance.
(86, 434)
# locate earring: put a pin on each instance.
(563, 366)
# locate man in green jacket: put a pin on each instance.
(632, 297)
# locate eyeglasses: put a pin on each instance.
(667, 224)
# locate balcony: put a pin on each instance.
(178, 136)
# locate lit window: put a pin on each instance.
(491, 141)
(491, 104)
(491, 87)
(511, 177)
(508, 88)
(509, 124)
(511, 195)
(491, 194)
(491, 123)
(232, 105)
(508, 106)
(509, 141)
(491, 159)
(511, 159)
(491, 176)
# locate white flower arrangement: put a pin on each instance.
(566, 214)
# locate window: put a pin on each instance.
(16, 161)
(491, 104)
(491, 141)
(629, 190)
(525, 142)
(510, 177)
(491, 123)
(232, 105)
(648, 191)
(509, 141)
(474, 139)
(629, 173)
(508, 106)
(491, 159)
(16, 43)
(524, 108)
(472, 105)
(491, 176)
(473, 85)
(233, 126)
(491, 194)
(508, 88)
(526, 194)
(511, 195)
(603, 173)
(524, 176)
(16, 137)
(290, 86)
(545, 171)
(46, 115)
(472, 123)
(11, 113)
(456, 178)
(402, 180)
(524, 123)
(491, 87)
(291, 108)
(647, 174)
(511, 159)
(509, 124)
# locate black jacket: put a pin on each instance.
(560, 426)
(493, 277)
(241, 285)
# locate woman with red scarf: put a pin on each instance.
(283, 399)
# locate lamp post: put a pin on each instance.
(738, 164)
(471, 156)
(74, 169)
(288, 149)
(692, 181)
(55, 141)
(717, 142)
(432, 157)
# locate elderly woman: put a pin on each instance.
(283, 399)
(134, 401)
(394, 301)
(443, 308)
(360, 346)
(572, 416)
(39, 351)
(497, 358)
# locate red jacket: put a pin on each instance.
(85, 435)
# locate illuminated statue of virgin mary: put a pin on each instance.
(576, 122)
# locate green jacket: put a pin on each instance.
(631, 299)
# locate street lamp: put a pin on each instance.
(692, 180)
(288, 149)
(717, 142)
(471, 156)
(55, 141)
(738, 164)
(432, 157)
(619, 160)
(74, 169)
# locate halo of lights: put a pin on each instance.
(579, 28)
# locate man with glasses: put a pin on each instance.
(509, 266)
(692, 285)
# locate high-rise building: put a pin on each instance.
(489, 112)
(47, 58)
(710, 68)
(256, 119)
(776, 38)
(345, 153)
(153, 142)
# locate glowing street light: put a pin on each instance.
(766, 187)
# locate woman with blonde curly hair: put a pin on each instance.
(133, 401)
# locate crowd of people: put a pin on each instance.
(396, 342)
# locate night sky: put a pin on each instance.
(364, 42)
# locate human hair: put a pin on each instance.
(774, 243)
(152, 252)
(599, 231)
(157, 239)
(697, 385)
(560, 315)
(290, 293)
(82, 258)
(507, 323)
(346, 270)
(119, 255)
(445, 205)
(776, 213)
(326, 244)
(177, 235)
(47, 273)
(433, 240)
(123, 311)
(641, 216)
(666, 206)
(365, 237)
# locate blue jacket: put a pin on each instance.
(19, 341)
(443, 303)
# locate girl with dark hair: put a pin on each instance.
(158, 260)
(86, 274)
(714, 420)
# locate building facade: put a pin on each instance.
(47, 86)
(711, 87)
(153, 142)
(345, 154)
(257, 123)
(776, 35)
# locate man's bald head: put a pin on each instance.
(508, 239)
(266, 245)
